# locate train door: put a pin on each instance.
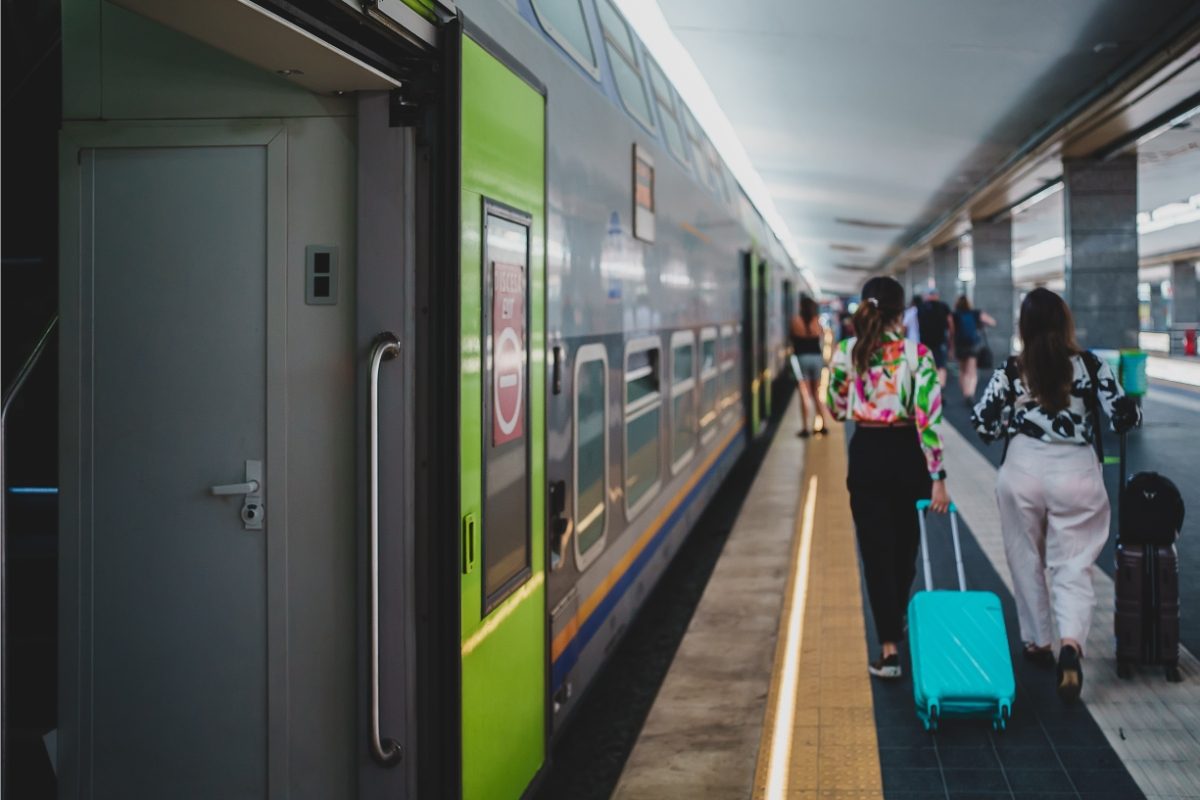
(207, 549)
(754, 336)
(502, 425)
(761, 298)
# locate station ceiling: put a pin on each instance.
(867, 119)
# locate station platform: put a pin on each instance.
(769, 697)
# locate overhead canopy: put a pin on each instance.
(871, 119)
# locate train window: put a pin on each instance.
(666, 110)
(591, 453)
(729, 386)
(563, 20)
(714, 169)
(709, 383)
(622, 56)
(694, 138)
(643, 411)
(683, 399)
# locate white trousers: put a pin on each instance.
(1054, 515)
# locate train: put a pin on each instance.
(402, 345)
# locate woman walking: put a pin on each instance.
(1054, 510)
(968, 340)
(888, 386)
(808, 337)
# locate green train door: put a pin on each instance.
(757, 373)
(502, 426)
(763, 361)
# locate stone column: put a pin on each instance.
(904, 277)
(1101, 262)
(992, 250)
(945, 272)
(1185, 293)
(1158, 307)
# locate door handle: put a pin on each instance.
(250, 487)
(386, 347)
(254, 511)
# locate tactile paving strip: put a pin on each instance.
(834, 754)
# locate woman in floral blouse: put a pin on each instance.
(888, 386)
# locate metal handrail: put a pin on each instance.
(14, 388)
(386, 347)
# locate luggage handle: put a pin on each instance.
(922, 506)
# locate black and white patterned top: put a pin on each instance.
(1007, 407)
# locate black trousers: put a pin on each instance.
(887, 476)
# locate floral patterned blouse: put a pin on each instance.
(890, 391)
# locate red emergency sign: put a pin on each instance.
(508, 352)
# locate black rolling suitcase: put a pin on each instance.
(1149, 518)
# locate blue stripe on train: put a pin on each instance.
(570, 655)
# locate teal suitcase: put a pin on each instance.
(961, 665)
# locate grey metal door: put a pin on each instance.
(173, 586)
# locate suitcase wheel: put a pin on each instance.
(931, 721)
(1125, 670)
(1001, 722)
(1173, 674)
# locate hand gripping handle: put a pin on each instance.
(922, 507)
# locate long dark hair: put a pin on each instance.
(963, 303)
(882, 306)
(808, 308)
(1048, 344)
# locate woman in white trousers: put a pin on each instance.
(1054, 510)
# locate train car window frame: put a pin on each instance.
(710, 376)
(590, 64)
(621, 50)
(633, 411)
(695, 137)
(665, 99)
(679, 341)
(589, 354)
(727, 354)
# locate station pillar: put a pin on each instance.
(1185, 293)
(945, 271)
(992, 249)
(1101, 260)
(904, 276)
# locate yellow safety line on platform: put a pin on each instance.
(819, 734)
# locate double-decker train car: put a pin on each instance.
(403, 343)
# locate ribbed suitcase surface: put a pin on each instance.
(1147, 607)
(959, 646)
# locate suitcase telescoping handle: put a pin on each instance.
(922, 507)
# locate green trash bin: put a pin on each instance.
(1133, 372)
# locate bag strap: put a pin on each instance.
(1011, 400)
(1091, 363)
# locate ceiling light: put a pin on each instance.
(869, 223)
(287, 73)
(1103, 47)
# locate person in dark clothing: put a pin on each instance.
(968, 339)
(808, 340)
(936, 324)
